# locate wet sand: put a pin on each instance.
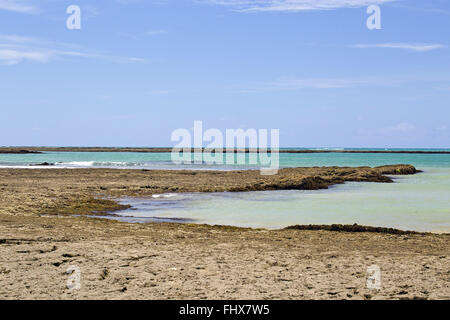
(40, 238)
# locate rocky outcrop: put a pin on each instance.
(350, 228)
(70, 187)
(399, 169)
(43, 164)
(17, 151)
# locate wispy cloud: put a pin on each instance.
(426, 7)
(155, 32)
(19, 6)
(293, 84)
(442, 88)
(418, 47)
(400, 128)
(317, 83)
(291, 5)
(15, 49)
(9, 56)
(149, 33)
(16, 39)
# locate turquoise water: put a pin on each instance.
(420, 202)
(163, 160)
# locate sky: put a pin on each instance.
(139, 69)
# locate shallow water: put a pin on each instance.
(420, 203)
(163, 160)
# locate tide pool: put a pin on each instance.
(420, 202)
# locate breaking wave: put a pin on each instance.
(97, 164)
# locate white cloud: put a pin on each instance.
(15, 49)
(141, 35)
(296, 83)
(318, 83)
(16, 39)
(291, 5)
(418, 47)
(293, 84)
(426, 7)
(19, 6)
(111, 58)
(155, 32)
(15, 56)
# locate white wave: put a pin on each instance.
(77, 163)
(96, 164)
(165, 195)
(25, 167)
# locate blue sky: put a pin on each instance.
(137, 70)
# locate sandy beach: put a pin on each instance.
(40, 238)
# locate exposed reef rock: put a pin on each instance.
(82, 191)
(43, 164)
(18, 151)
(350, 228)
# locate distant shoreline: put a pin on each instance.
(37, 150)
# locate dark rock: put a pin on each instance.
(15, 151)
(350, 228)
(42, 164)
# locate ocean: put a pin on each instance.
(133, 160)
(420, 202)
